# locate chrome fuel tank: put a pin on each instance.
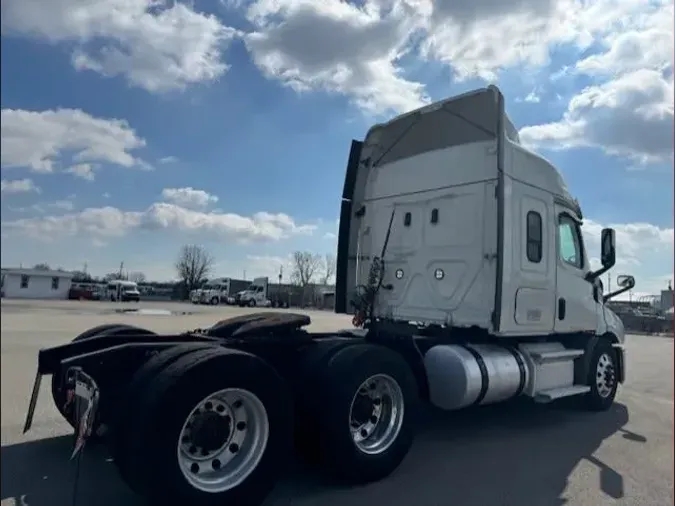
(465, 375)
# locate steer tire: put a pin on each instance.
(338, 377)
(593, 400)
(109, 329)
(151, 448)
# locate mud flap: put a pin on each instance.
(33, 402)
(86, 397)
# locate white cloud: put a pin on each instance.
(18, 186)
(629, 111)
(339, 47)
(643, 250)
(82, 170)
(106, 222)
(48, 140)
(630, 116)
(188, 197)
(645, 42)
(156, 45)
(168, 159)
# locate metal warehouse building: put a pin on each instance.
(35, 284)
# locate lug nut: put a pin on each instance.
(194, 468)
(215, 464)
(220, 408)
(241, 425)
(234, 448)
(208, 406)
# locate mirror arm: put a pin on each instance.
(605, 298)
(593, 275)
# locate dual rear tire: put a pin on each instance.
(205, 426)
(355, 417)
(357, 413)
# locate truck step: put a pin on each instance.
(556, 356)
(558, 393)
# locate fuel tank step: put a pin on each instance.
(543, 357)
(553, 394)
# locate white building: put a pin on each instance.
(35, 284)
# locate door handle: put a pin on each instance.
(561, 309)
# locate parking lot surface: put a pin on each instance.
(515, 454)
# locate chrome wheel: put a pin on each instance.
(376, 414)
(223, 440)
(605, 377)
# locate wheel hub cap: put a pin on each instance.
(376, 414)
(605, 376)
(210, 431)
(223, 440)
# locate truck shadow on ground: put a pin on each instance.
(511, 454)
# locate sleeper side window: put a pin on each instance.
(534, 244)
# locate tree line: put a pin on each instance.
(194, 265)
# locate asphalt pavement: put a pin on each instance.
(514, 454)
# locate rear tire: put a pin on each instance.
(214, 301)
(251, 303)
(346, 441)
(154, 451)
(123, 424)
(602, 378)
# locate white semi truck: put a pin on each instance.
(217, 291)
(260, 293)
(460, 254)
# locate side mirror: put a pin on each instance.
(607, 248)
(625, 281)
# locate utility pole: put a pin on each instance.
(121, 267)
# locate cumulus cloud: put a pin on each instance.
(107, 222)
(48, 140)
(630, 116)
(629, 111)
(357, 48)
(18, 186)
(643, 250)
(155, 45)
(188, 197)
(339, 47)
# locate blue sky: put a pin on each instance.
(129, 129)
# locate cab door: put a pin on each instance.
(575, 305)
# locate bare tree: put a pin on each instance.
(112, 276)
(328, 268)
(42, 267)
(193, 265)
(305, 266)
(137, 277)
